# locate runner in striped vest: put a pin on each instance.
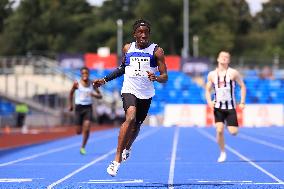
(223, 80)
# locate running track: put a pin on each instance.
(161, 158)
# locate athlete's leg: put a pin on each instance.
(143, 106)
(125, 128)
(133, 135)
(86, 116)
(78, 119)
(86, 132)
(220, 135)
(221, 141)
(219, 116)
(78, 129)
(232, 122)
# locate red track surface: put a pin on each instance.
(10, 138)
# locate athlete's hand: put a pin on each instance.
(242, 106)
(98, 82)
(211, 105)
(151, 76)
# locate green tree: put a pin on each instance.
(75, 26)
(46, 25)
(264, 39)
(279, 43)
(216, 24)
(5, 11)
(244, 26)
(271, 15)
(166, 22)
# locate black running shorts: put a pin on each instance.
(228, 115)
(142, 106)
(83, 112)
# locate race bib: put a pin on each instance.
(138, 66)
(223, 94)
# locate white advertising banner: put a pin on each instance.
(263, 115)
(254, 115)
(185, 115)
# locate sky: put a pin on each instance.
(255, 5)
(96, 2)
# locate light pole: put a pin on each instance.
(195, 46)
(119, 23)
(185, 49)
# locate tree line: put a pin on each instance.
(50, 27)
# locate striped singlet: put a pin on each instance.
(224, 91)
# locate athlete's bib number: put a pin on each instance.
(223, 94)
(139, 66)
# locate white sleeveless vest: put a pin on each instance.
(137, 62)
(83, 95)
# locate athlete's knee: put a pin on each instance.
(87, 123)
(130, 120)
(233, 130)
(220, 130)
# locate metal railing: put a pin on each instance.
(37, 81)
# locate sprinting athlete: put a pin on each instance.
(141, 60)
(223, 80)
(84, 91)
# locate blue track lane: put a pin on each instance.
(161, 158)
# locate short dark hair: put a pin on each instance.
(84, 68)
(141, 22)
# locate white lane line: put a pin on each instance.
(263, 142)
(206, 134)
(265, 183)
(173, 159)
(15, 180)
(95, 161)
(230, 182)
(114, 181)
(82, 168)
(225, 181)
(53, 151)
(265, 135)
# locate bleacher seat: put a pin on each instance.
(181, 88)
(6, 107)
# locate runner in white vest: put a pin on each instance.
(223, 80)
(84, 91)
(141, 60)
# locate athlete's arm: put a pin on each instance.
(71, 94)
(240, 81)
(208, 88)
(116, 73)
(160, 58)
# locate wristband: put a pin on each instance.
(104, 79)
